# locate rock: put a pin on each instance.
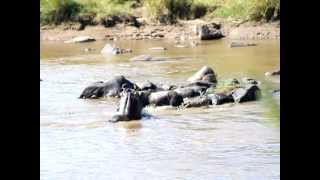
(180, 46)
(147, 86)
(205, 73)
(158, 48)
(241, 44)
(246, 80)
(218, 99)
(197, 101)
(209, 32)
(230, 82)
(141, 21)
(109, 22)
(88, 49)
(191, 91)
(154, 58)
(248, 93)
(276, 92)
(108, 49)
(273, 73)
(81, 39)
(164, 98)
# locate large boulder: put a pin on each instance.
(219, 98)
(81, 39)
(204, 74)
(165, 98)
(209, 31)
(197, 101)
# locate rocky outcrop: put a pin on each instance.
(209, 31)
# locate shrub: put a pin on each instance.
(56, 11)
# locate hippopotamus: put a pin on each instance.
(131, 105)
(111, 88)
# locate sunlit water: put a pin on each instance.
(224, 142)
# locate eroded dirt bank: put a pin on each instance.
(181, 30)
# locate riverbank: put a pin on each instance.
(180, 30)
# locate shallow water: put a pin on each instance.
(223, 142)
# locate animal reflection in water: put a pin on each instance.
(200, 90)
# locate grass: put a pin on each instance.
(248, 9)
(57, 11)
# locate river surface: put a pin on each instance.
(224, 142)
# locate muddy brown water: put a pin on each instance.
(223, 142)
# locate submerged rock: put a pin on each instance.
(158, 48)
(241, 44)
(81, 39)
(154, 58)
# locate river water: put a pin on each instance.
(225, 142)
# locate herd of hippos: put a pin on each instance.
(195, 93)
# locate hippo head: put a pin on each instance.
(131, 105)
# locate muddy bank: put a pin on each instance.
(181, 31)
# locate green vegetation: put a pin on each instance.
(57, 11)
